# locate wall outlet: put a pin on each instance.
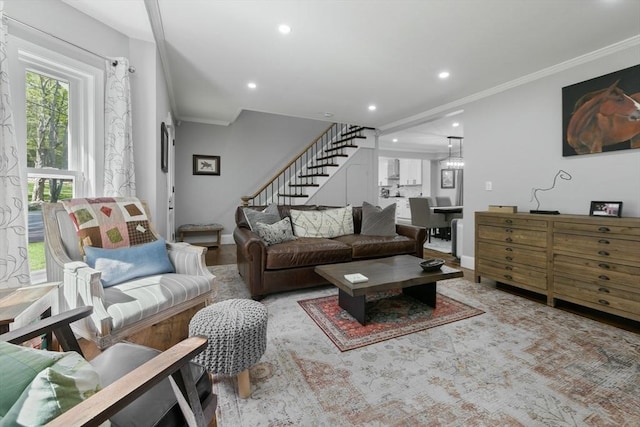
(488, 186)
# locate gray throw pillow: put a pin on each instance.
(278, 232)
(269, 215)
(377, 221)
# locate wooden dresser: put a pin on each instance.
(587, 260)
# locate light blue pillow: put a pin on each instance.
(122, 264)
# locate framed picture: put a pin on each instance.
(448, 178)
(206, 165)
(164, 148)
(606, 209)
(600, 114)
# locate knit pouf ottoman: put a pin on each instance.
(237, 333)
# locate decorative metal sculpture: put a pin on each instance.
(563, 175)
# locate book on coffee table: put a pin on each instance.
(356, 278)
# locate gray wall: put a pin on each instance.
(513, 139)
(251, 150)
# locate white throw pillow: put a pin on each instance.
(327, 224)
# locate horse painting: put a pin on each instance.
(604, 117)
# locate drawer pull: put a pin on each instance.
(603, 265)
(508, 267)
(508, 239)
(603, 241)
(603, 277)
(508, 258)
(603, 253)
(508, 276)
(604, 229)
(508, 221)
(603, 301)
(605, 290)
(508, 249)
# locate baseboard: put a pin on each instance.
(468, 262)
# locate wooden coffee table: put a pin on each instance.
(397, 272)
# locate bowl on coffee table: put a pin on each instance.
(432, 264)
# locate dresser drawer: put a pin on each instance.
(511, 221)
(621, 231)
(513, 274)
(512, 254)
(509, 235)
(597, 296)
(599, 273)
(601, 247)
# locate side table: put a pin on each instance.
(21, 306)
(201, 229)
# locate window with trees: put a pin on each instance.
(47, 112)
(56, 104)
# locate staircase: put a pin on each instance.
(311, 168)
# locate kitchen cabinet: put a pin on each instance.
(388, 171)
(410, 172)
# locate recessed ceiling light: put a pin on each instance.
(284, 29)
(455, 124)
(372, 107)
(252, 85)
(443, 75)
(395, 140)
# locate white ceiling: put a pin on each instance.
(343, 55)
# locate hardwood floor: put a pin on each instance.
(224, 254)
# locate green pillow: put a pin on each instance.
(38, 385)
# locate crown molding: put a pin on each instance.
(441, 111)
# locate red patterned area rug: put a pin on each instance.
(389, 315)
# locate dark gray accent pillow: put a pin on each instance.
(269, 215)
(377, 221)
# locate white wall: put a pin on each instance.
(513, 139)
(251, 150)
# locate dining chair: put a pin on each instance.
(423, 216)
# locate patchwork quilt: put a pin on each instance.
(109, 222)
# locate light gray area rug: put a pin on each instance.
(439, 245)
(521, 363)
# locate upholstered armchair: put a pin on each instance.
(422, 216)
(127, 384)
(124, 303)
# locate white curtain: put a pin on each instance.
(14, 263)
(119, 173)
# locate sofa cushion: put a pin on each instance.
(123, 264)
(306, 251)
(137, 299)
(378, 246)
(326, 223)
(269, 215)
(377, 221)
(275, 233)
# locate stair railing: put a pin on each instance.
(287, 185)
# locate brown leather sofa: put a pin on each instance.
(290, 265)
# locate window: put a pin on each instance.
(56, 108)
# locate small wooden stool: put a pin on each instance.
(200, 229)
